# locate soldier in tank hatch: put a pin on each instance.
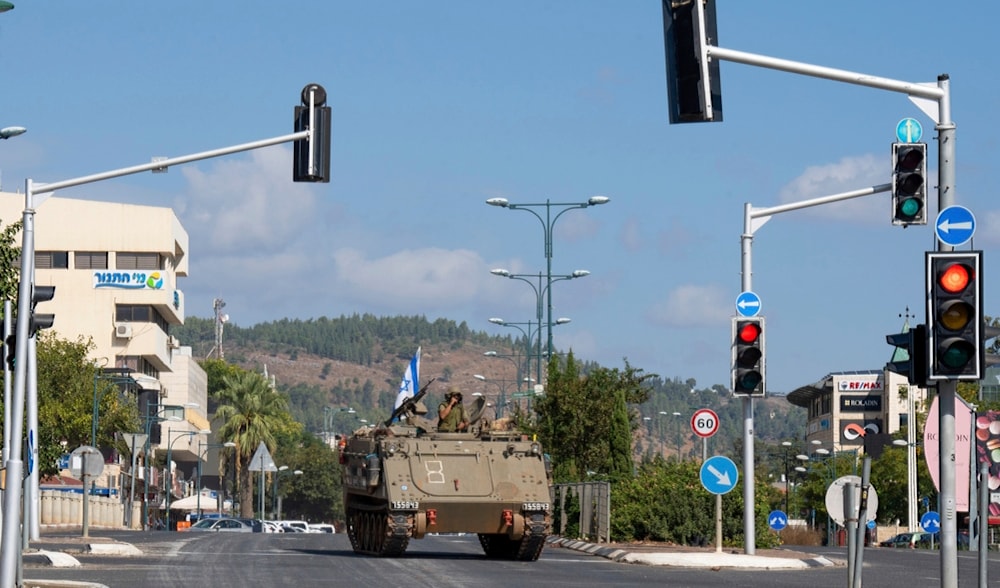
(451, 412)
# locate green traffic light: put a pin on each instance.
(956, 354)
(909, 208)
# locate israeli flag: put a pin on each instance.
(411, 381)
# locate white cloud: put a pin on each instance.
(419, 278)
(847, 175)
(692, 306)
(243, 203)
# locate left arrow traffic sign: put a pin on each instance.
(748, 303)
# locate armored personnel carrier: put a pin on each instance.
(403, 479)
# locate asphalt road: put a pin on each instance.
(305, 560)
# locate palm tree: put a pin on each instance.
(251, 412)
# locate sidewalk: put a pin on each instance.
(696, 557)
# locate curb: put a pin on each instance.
(689, 559)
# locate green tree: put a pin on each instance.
(66, 385)
(315, 495)
(584, 421)
(9, 254)
(251, 413)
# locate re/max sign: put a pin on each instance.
(861, 403)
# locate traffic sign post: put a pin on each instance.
(718, 476)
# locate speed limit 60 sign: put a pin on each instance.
(704, 422)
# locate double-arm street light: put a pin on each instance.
(208, 446)
(548, 222)
(170, 470)
(542, 293)
(529, 336)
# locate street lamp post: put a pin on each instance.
(541, 293)
(547, 224)
(170, 471)
(529, 335)
(208, 446)
(275, 495)
(149, 420)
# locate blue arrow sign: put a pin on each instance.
(930, 522)
(909, 130)
(955, 225)
(777, 520)
(748, 304)
(718, 474)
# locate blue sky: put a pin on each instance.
(440, 105)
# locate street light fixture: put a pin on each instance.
(8, 132)
(547, 224)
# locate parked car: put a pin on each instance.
(300, 525)
(933, 541)
(905, 540)
(221, 526)
(322, 528)
(256, 524)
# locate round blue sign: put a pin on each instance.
(955, 225)
(930, 522)
(718, 474)
(777, 520)
(748, 304)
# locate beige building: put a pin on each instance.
(116, 269)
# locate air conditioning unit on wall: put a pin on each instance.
(123, 331)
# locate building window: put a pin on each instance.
(51, 260)
(140, 313)
(90, 260)
(138, 261)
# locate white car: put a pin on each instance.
(322, 528)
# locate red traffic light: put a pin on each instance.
(748, 332)
(955, 277)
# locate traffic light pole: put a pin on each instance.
(925, 96)
(10, 544)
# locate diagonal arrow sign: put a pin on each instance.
(721, 477)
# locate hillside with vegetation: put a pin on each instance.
(328, 366)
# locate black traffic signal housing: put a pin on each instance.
(910, 358)
(748, 356)
(311, 156)
(694, 89)
(909, 184)
(955, 321)
(40, 321)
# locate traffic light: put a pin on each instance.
(40, 321)
(311, 156)
(910, 357)
(909, 184)
(694, 89)
(954, 315)
(748, 356)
